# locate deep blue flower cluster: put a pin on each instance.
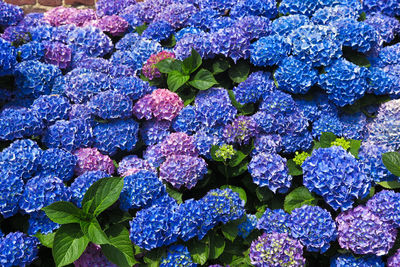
(178, 255)
(274, 221)
(344, 260)
(18, 249)
(57, 162)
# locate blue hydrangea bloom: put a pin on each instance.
(246, 227)
(31, 51)
(133, 87)
(268, 143)
(265, 8)
(203, 19)
(107, 7)
(274, 221)
(19, 123)
(222, 23)
(220, 5)
(51, 108)
(10, 14)
(34, 78)
(105, 66)
(254, 27)
(188, 30)
(177, 255)
(69, 135)
(42, 33)
(18, 249)
(199, 41)
(177, 14)
(11, 189)
(327, 122)
(132, 164)
(140, 189)
(309, 108)
(388, 7)
(8, 58)
(16, 35)
(57, 162)
(284, 25)
(308, 7)
(111, 137)
(82, 183)
(186, 121)
(336, 175)
(386, 205)
(344, 82)
(314, 227)
(255, 87)
(296, 141)
(128, 41)
(111, 105)
(353, 125)
(231, 42)
(154, 155)
(158, 31)
(90, 40)
(154, 131)
(40, 223)
(328, 15)
(348, 260)
(295, 76)
(269, 169)
(188, 218)
(41, 191)
(388, 55)
(386, 27)
(268, 51)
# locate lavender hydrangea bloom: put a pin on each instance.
(51, 108)
(199, 41)
(276, 250)
(41, 191)
(386, 205)
(90, 40)
(18, 249)
(154, 131)
(183, 170)
(105, 66)
(284, 25)
(269, 50)
(158, 31)
(295, 76)
(186, 121)
(254, 27)
(264, 8)
(177, 255)
(154, 155)
(69, 135)
(140, 189)
(10, 14)
(93, 256)
(246, 227)
(19, 123)
(178, 144)
(269, 169)
(132, 164)
(11, 189)
(267, 143)
(16, 35)
(231, 42)
(57, 162)
(394, 260)
(388, 7)
(176, 14)
(82, 183)
(58, 54)
(255, 87)
(90, 159)
(344, 82)
(336, 175)
(386, 27)
(353, 125)
(274, 221)
(114, 25)
(348, 260)
(240, 131)
(363, 232)
(40, 223)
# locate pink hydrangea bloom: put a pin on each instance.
(149, 68)
(90, 159)
(93, 256)
(80, 17)
(114, 24)
(178, 144)
(58, 16)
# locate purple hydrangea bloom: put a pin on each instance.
(105, 66)
(186, 121)
(58, 16)
(269, 169)
(82, 183)
(231, 42)
(348, 260)
(394, 260)
(107, 7)
(336, 175)
(57, 162)
(274, 221)
(58, 54)
(90, 40)
(199, 41)
(240, 131)
(154, 131)
(90, 159)
(51, 108)
(269, 50)
(11, 189)
(93, 256)
(254, 27)
(41, 191)
(183, 170)
(386, 205)
(271, 143)
(132, 164)
(177, 255)
(255, 87)
(178, 144)
(40, 223)
(111, 105)
(361, 231)
(176, 14)
(114, 25)
(16, 35)
(386, 27)
(158, 31)
(154, 155)
(246, 227)
(18, 249)
(81, 16)
(276, 250)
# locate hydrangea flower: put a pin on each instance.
(176, 14)
(230, 42)
(154, 131)
(361, 231)
(386, 27)
(186, 121)
(131, 164)
(10, 14)
(348, 260)
(90, 40)
(93, 256)
(58, 54)
(40, 223)
(205, 138)
(269, 50)
(18, 249)
(177, 255)
(336, 175)
(246, 227)
(114, 25)
(57, 162)
(133, 87)
(183, 170)
(150, 70)
(203, 19)
(51, 108)
(267, 143)
(329, 14)
(255, 8)
(199, 41)
(327, 122)
(178, 144)
(240, 131)
(381, 82)
(11, 189)
(284, 25)
(394, 260)
(276, 250)
(90, 159)
(295, 141)
(386, 205)
(158, 31)
(154, 155)
(225, 152)
(82, 183)
(353, 125)
(58, 16)
(111, 105)
(274, 221)
(388, 7)
(41, 191)
(17, 35)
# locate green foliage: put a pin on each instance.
(220, 66)
(294, 169)
(239, 72)
(264, 193)
(141, 29)
(354, 147)
(326, 139)
(174, 194)
(46, 240)
(297, 198)
(391, 160)
(176, 80)
(239, 190)
(192, 63)
(200, 249)
(63, 212)
(217, 245)
(390, 184)
(203, 80)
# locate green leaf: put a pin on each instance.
(176, 80)
(237, 189)
(140, 29)
(220, 66)
(174, 194)
(120, 248)
(217, 246)
(237, 158)
(294, 169)
(238, 170)
(264, 194)
(46, 240)
(297, 198)
(93, 231)
(354, 147)
(153, 257)
(203, 80)
(391, 160)
(214, 149)
(200, 250)
(230, 230)
(63, 212)
(103, 194)
(192, 63)
(239, 72)
(170, 42)
(390, 184)
(69, 244)
(326, 139)
(169, 65)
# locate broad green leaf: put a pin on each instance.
(93, 231)
(140, 29)
(239, 190)
(103, 194)
(175, 194)
(188, 95)
(69, 244)
(46, 240)
(217, 246)
(237, 158)
(153, 257)
(264, 194)
(354, 147)
(230, 230)
(170, 42)
(297, 198)
(192, 63)
(239, 72)
(238, 170)
(294, 169)
(63, 212)
(391, 160)
(390, 184)
(200, 250)
(203, 80)
(326, 139)
(120, 248)
(220, 66)
(176, 80)
(169, 65)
